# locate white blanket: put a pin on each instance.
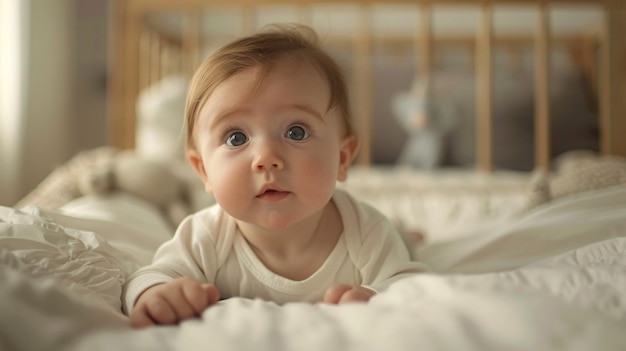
(567, 293)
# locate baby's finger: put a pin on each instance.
(335, 292)
(196, 297)
(355, 295)
(178, 302)
(140, 319)
(212, 292)
(161, 312)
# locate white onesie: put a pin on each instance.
(209, 247)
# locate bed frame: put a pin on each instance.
(142, 56)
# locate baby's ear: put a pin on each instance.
(195, 159)
(348, 149)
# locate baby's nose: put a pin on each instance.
(267, 158)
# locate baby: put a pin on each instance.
(269, 134)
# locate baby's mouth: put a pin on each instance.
(273, 195)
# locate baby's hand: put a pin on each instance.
(172, 302)
(342, 293)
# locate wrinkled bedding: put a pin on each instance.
(552, 279)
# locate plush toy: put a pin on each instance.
(153, 180)
(159, 123)
(426, 123)
(577, 171)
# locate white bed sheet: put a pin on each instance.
(439, 203)
(568, 293)
(551, 229)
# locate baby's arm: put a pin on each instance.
(342, 293)
(172, 302)
(380, 255)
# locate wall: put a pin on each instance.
(91, 54)
(64, 109)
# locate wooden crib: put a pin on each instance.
(157, 38)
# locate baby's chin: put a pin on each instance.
(276, 221)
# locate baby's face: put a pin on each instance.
(271, 156)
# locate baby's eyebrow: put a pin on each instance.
(222, 115)
(225, 114)
(308, 109)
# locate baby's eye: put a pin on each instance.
(236, 139)
(297, 133)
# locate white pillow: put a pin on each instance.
(127, 222)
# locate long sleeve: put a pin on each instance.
(384, 257)
(377, 248)
(188, 253)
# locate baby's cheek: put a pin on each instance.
(320, 179)
(231, 189)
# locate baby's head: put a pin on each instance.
(263, 50)
(268, 127)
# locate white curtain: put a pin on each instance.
(36, 85)
(13, 87)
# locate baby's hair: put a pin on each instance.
(262, 50)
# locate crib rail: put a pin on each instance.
(143, 56)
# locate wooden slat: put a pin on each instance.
(304, 14)
(362, 87)
(542, 90)
(131, 84)
(116, 78)
(426, 45)
(144, 56)
(191, 42)
(155, 59)
(166, 60)
(484, 91)
(612, 82)
(248, 14)
(125, 79)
